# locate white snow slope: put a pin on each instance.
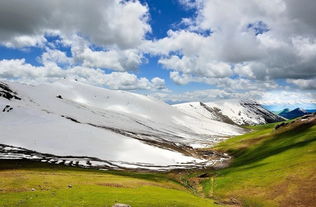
(232, 112)
(68, 118)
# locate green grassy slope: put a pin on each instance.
(271, 167)
(26, 183)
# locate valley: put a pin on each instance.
(271, 167)
(67, 143)
(146, 103)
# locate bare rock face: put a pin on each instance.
(7, 93)
(121, 205)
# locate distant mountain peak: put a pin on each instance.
(285, 110)
(299, 110)
(291, 114)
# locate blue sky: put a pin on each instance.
(174, 50)
(164, 15)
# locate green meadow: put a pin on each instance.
(271, 168)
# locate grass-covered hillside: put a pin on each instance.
(269, 168)
(30, 184)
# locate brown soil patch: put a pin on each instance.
(14, 190)
(115, 185)
(295, 192)
(304, 195)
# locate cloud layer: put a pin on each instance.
(51, 72)
(239, 48)
(107, 23)
(116, 27)
(262, 40)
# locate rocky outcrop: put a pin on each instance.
(7, 93)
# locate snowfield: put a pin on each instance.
(232, 112)
(68, 118)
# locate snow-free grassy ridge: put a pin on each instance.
(271, 168)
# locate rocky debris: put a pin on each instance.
(53, 161)
(204, 175)
(234, 113)
(256, 108)
(305, 120)
(7, 108)
(229, 202)
(280, 125)
(216, 160)
(7, 93)
(187, 150)
(71, 119)
(218, 114)
(121, 205)
(308, 116)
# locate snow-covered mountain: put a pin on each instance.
(68, 121)
(231, 112)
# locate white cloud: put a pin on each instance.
(107, 23)
(288, 97)
(208, 95)
(115, 59)
(127, 81)
(24, 41)
(199, 95)
(188, 3)
(158, 83)
(273, 97)
(56, 56)
(260, 40)
(19, 70)
(197, 66)
(304, 84)
(116, 27)
(112, 59)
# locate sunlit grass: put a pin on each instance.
(46, 186)
(269, 167)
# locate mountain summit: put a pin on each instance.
(286, 113)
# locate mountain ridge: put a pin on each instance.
(233, 112)
(291, 114)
